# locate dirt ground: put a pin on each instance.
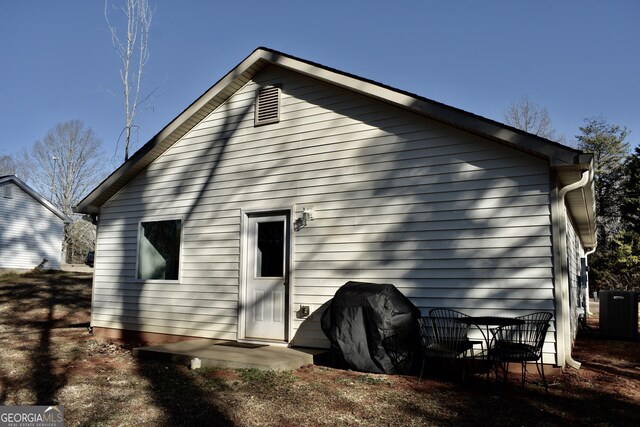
(48, 356)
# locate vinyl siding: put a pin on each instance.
(449, 218)
(29, 232)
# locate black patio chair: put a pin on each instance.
(444, 336)
(400, 348)
(522, 344)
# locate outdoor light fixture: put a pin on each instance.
(308, 214)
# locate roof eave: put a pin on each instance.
(557, 154)
(581, 202)
(171, 133)
(47, 204)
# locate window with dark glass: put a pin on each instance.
(270, 253)
(159, 250)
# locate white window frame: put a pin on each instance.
(181, 249)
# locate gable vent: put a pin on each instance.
(267, 105)
(8, 191)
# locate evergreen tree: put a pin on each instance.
(607, 143)
(630, 206)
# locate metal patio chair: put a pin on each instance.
(400, 349)
(522, 344)
(442, 336)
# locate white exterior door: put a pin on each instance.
(266, 277)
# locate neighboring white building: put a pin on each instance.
(31, 228)
(287, 179)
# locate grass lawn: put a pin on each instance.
(48, 356)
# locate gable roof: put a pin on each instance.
(568, 163)
(30, 191)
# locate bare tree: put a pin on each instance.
(65, 164)
(80, 239)
(7, 165)
(132, 46)
(530, 117)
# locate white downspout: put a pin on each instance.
(586, 256)
(564, 285)
(591, 251)
(578, 184)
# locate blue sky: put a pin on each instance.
(575, 58)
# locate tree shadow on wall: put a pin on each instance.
(173, 388)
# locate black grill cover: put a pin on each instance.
(360, 316)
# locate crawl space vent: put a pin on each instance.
(267, 105)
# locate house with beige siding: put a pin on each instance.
(287, 179)
(31, 228)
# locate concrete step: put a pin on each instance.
(229, 354)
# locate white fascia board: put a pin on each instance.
(556, 153)
(30, 191)
(86, 205)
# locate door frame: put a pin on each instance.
(245, 214)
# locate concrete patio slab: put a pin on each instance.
(229, 354)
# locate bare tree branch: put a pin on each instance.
(530, 117)
(133, 49)
(7, 165)
(66, 164)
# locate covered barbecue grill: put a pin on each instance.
(361, 321)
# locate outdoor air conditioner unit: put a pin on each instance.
(619, 314)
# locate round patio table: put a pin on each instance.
(487, 322)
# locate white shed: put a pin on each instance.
(287, 179)
(31, 228)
